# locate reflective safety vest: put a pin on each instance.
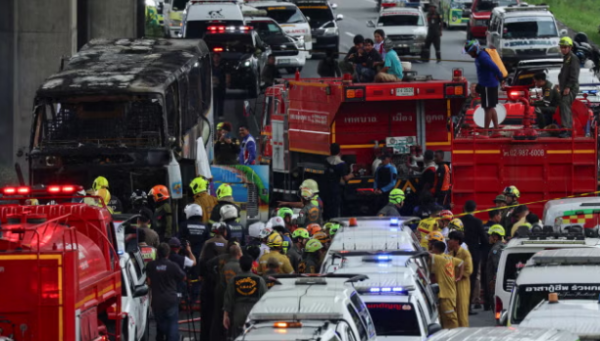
(148, 253)
(445, 180)
(426, 226)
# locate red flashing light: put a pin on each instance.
(9, 190)
(23, 190)
(218, 49)
(16, 190)
(456, 73)
(54, 189)
(359, 93)
(68, 189)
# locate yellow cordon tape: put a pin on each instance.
(528, 203)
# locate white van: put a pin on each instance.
(200, 15)
(516, 254)
(579, 317)
(291, 19)
(496, 334)
(554, 209)
(571, 273)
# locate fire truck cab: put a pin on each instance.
(303, 117)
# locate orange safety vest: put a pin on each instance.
(446, 180)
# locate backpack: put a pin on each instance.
(496, 59)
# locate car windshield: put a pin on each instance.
(394, 319)
(179, 5)
(229, 42)
(266, 29)
(486, 6)
(514, 263)
(529, 27)
(197, 29)
(286, 15)
(317, 15)
(410, 19)
(529, 296)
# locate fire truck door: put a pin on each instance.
(277, 139)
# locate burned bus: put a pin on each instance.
(138, 112)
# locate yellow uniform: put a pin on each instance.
(463, 287)
(285, 267)
(426, 226)
(207, 202)
(442, 266)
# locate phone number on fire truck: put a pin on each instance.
(525, 152)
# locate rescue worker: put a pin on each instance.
(310, 185)
(433, 237)
(496, 238)
(442, 180)
(519, 214)
(199, 188)
(311, 213)
(445, 217)
(114, 204)
(195, 232)
(323, 238)
(148, 252)
(287, 215)
(463, 286)
(229, 215)
(219, 239)
(278, 225)
(443, 269)
(434, 34)
(266, 231)
(331, 228)
(313, 228)
(275, 243)
(243, 291)
(568, 83)
(500, 201)
(313, 254)
(272, 269)
(512, 195)
(163, 213)
(254, 239)
(226, 272)
(396, 200)
(425, 227)
(494, 218)
(457, 225)
(546, 107)
(143, 223)
(300, 236)
(138, 200)
(224, 197)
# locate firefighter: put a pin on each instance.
(138, 200)
(425, 227)
(199, 188)
(275, 243)
(331, 228)
(442, 180)
(545, 108)
(300, 236)
(243, 291)
(568, 83)
(113, 203)
(496, 238)
(148, 252)
(395, 203)
(443, 272)
(278, 224)
(323, 237)
(433, 237)
(313, 187)
(229, 214)
(163, 213)
(229, 268)
(311, 213)
(512, 194)
(445, 217)
(272, 269)
(463, 287)
(313, 228)
(287, 215)
(434, 34)
(224, 197)
(314, 252)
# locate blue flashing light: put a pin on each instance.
(393, 229)
(394, 221)
(386, 289)
(120, 252)
(383, 257)
(374, 290)
(397, 289)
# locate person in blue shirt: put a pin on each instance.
(385, 178)
(489, 77)
(248, 147)
(392, 67)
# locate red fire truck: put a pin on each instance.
(59, 269)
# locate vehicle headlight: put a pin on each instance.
(508, 52)
(246, 63)
(331, 31)
(554, 50)
(308, 38)
(481, 23)
(175, 23)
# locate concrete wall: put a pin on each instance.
(105, 21)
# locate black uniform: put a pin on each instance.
(237, 231)
(492, 269)
(434, 36)
(227, 269)
(546, 107)
(568, 78)
(243, 291)
(215, 215)
(295, 256)
(212, 248)
(194, 231)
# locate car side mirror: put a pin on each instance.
(339, 17)
(370, 23)
(308, 18)
(141, 290)
(334, 6)
(433, 328)
(503, 321)
(564, 33)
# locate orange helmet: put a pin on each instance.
(322, 237)
(159, 193)
(313, 228)
(446, 215)
(437, 236)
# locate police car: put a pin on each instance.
(523, 32)
(405, 27)
(135, 302)
(323, 23)
(498, 333)
(328, 302)
(519, 250)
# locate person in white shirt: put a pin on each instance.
(379, 37)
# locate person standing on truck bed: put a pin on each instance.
(392, 67)
(248, 147)
(546, 107)
(336, 173)
(568, 83)
(489, 77)
(434, 34)
(199, 187)
(163, 278)
(442, 180)
(163, 213)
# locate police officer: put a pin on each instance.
(224, 197)
(395, 203)
(313, 252)
(568, 83)
(545, 107)
(229, 214)
(512, 195)
(311, 212)
(434, 34)
(496, 238)
(243, 291)
(278, 224)
(226, 272)
(193, 230)
(275, 243)
(199, 187)
(299, 237)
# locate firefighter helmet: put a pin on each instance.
(313, 228)
(276, 222)
(199, 185)
(436, 236)
(255, 229)
(192, 210)
(274, 240)
(266, 231)
(285, 211)
(224, 191)
(313, 245)
(331, 227)
(446, 215)
(228, 212)
(565, 41)
(300, 233)
(322, 237)
(497, 229)
(512, 191)
(100, 182)
(159, 193)
(396, 196)
(311, 185)
(457, 224)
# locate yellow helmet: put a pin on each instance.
(274, 240)
(457, 225)
(100, 182)
(311, 185)
(198, 185)
(436, 236)
(565, 41)
(497, 229)
(512, 190)
(223, 191)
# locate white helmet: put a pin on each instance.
(255, 229)
(266, 231)
(276, 222)
(228, 212)
(192, 210)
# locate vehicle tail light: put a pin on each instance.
(459, 90)
(498, 308)
(513, 95)
(65, 189)
(355, 93)
(449, 90)
(218, 49)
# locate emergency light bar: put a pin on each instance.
(590, 256)
(223, 28)
(287, 325)
(526, 8)
(58, 189)
(394, 221)
(295, 316)
(386, 290)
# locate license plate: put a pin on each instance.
(405, 91)
(284, 61)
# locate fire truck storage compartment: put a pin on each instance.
(543, 169)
